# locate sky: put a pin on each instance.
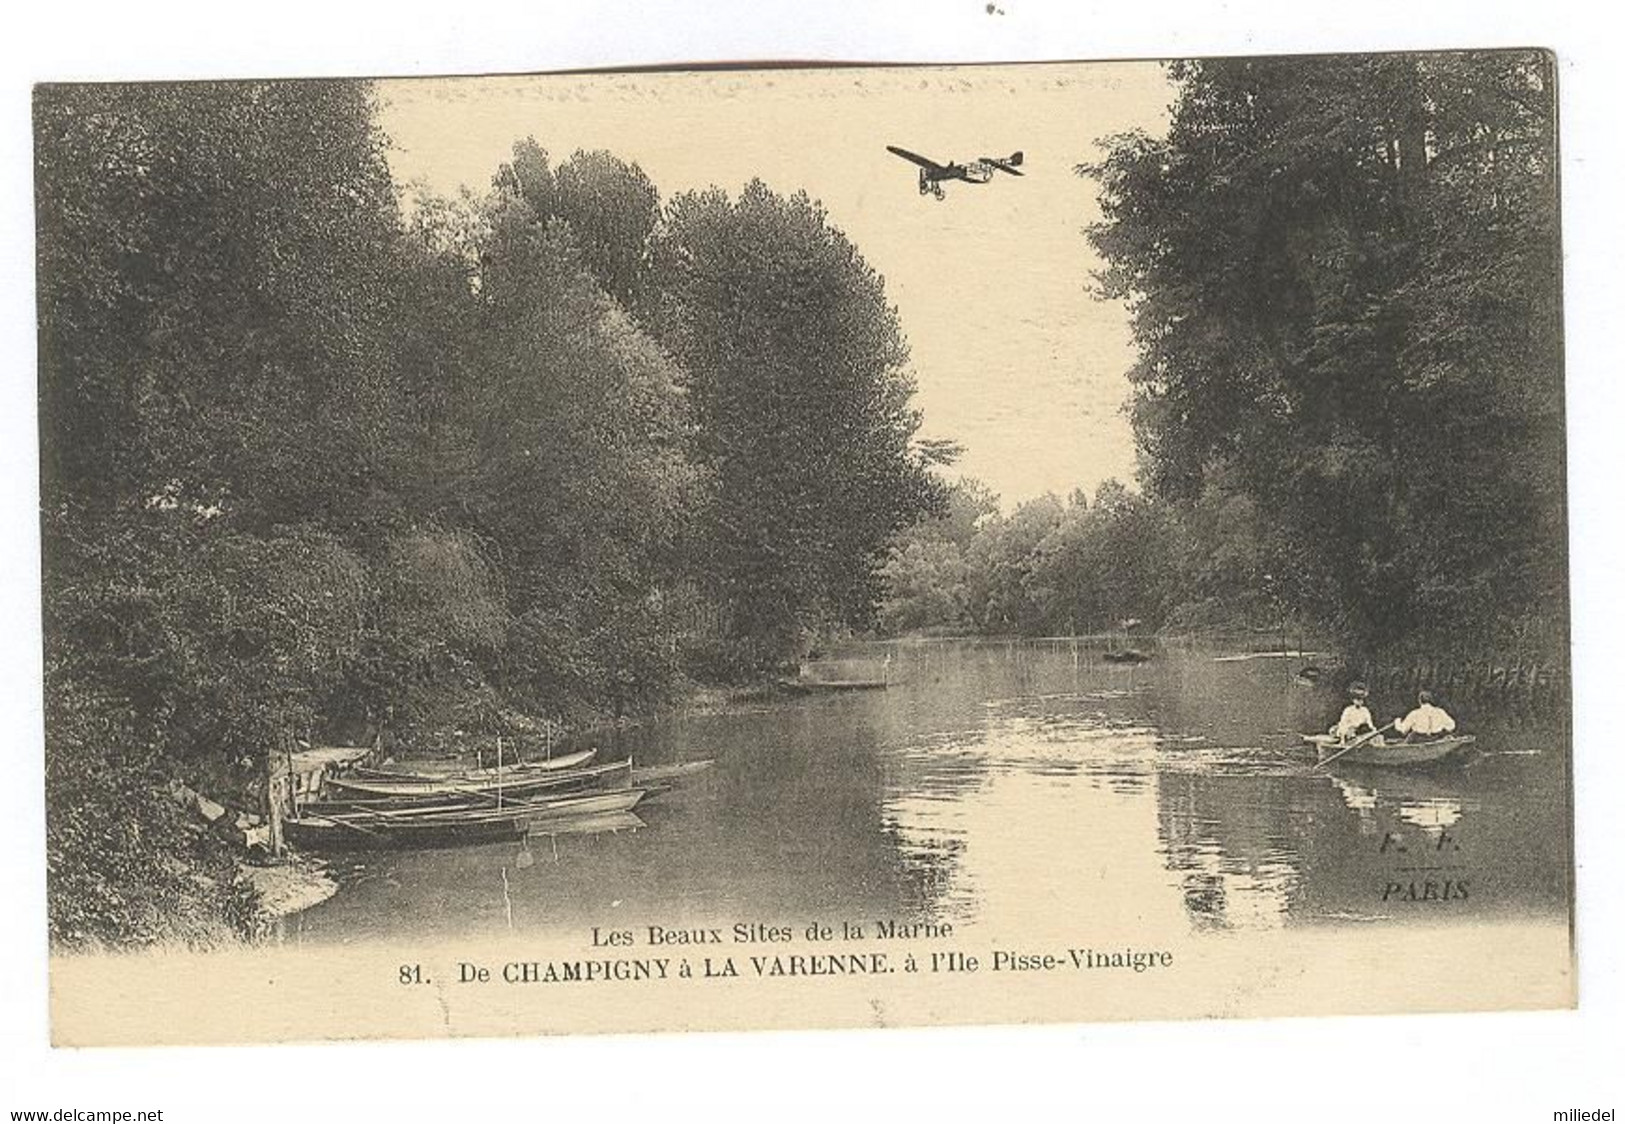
(1013, 357)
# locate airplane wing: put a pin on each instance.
(914, 158)
(1001, 165)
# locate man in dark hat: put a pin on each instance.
(1356, 717)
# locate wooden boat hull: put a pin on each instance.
(615, 800)
(606, 823)
(659, 774)
(580, 804)
(809, 686)
(473, 797)
(1396, 754)
(518, 769)
(441, 828)
(588, 804)
(516, 786)
(340, 833)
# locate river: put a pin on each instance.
(996, 783)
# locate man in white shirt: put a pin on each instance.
(1426, 721)
(1356, 718)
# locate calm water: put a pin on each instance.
(996, 780)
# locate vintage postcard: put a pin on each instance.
(804, 547)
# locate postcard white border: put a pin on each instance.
(1500, 1067)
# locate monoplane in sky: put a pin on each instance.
(980, 170)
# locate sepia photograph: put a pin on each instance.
(737, 547)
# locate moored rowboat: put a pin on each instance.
(808, 686)
(522, 769)
(323, 832)
(442, 827)
(585, 803)
(480, 786)
(1427, 751)
(658, 774)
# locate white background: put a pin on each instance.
(1485, 1067)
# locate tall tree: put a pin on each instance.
(579, 478)
(794, 366)
(1343, 276)
(216, 304)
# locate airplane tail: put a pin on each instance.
(1015, 159)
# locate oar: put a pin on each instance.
(1356, 744)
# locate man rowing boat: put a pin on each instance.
(1426, 721)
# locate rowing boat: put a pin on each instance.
(1428, 751)
(477, 787)
(579, 804)
(339, 832)
(657, 774)
(808, 686)
(452, 827)
(522, 768)
(583, 803)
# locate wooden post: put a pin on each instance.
(277, 778)
(292, 806)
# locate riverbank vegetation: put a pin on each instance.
(1343, 277)
(320, 458)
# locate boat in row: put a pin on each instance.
(1391, 754)
(406, 808)
(476, 783)
(439, 826)
(521, 768)
(814, 686)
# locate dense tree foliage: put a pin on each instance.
(1050, 567)
(610, 208)
(927, 578)
(216, 306)
(1343, 275)
(794, 367)
(580, 476)
(315, 462)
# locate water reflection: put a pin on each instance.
(1022, 789)
(1417, 800)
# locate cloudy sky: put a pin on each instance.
(1013, 357)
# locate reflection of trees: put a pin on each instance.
(1203, 892)
(806, 807)
(801, 815)
(1232, 841)
(920, 823)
